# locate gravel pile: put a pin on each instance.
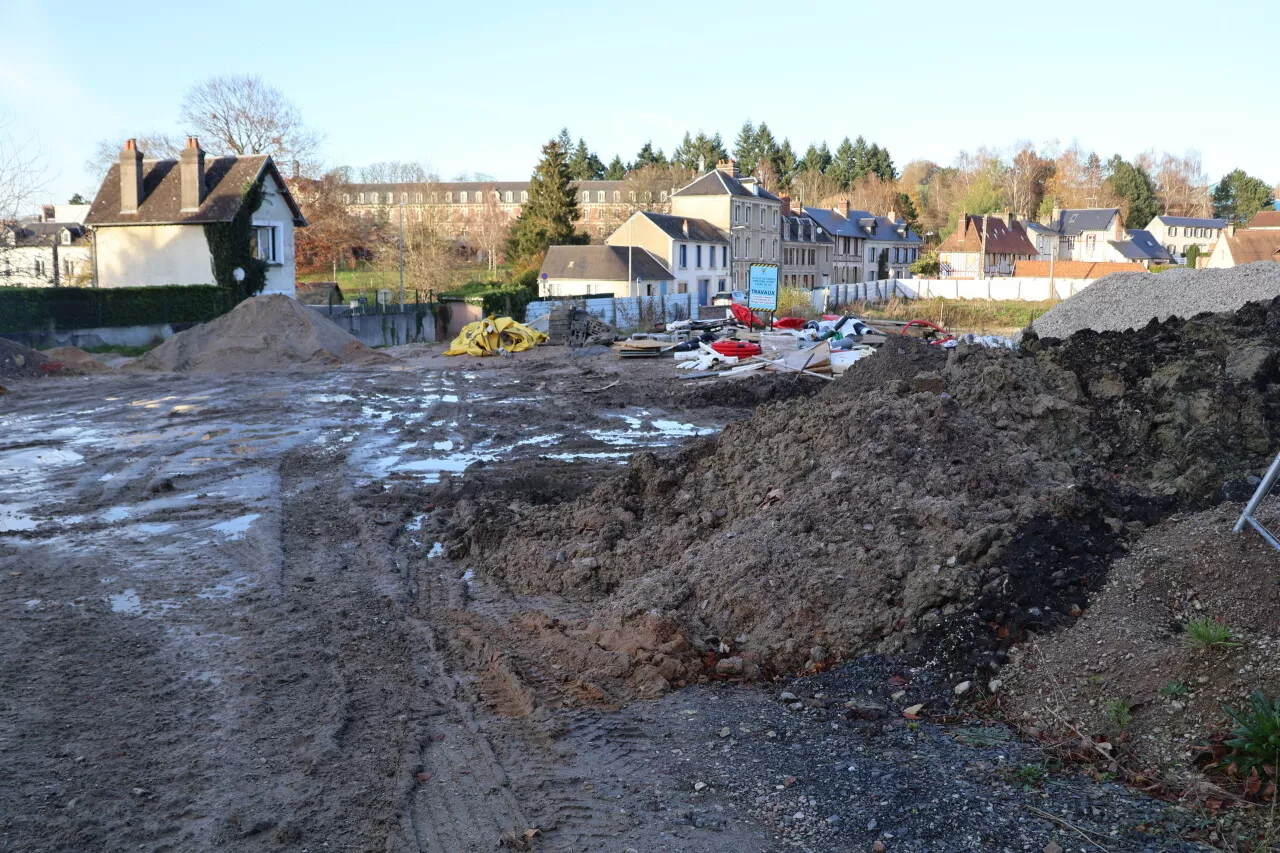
(1130, 300)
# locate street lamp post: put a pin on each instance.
(401, 217)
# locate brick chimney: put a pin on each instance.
(842, 208)
(786, 205)
(729, 167)
(130, 177)
(191, 162)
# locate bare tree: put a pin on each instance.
(156, 145)
(22, 179)
(393, 172)
(241, 114)
(491, 228)
(1183, 185)
(1025, 179)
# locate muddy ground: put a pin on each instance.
(228, 624)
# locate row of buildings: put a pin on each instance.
(716, 227)
(989, 245)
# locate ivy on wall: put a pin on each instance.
(230, 247)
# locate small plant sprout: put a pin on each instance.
(1174, 689)
(1205, 633)
(1255, 738)
(1119, 713)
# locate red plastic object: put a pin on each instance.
(946, 336)
(751, 321)
(788, 323)
(738, 348)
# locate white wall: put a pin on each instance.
(1005, 287)
(18, 266)
(281, 277)
(152, 255)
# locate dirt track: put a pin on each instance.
(228, 626)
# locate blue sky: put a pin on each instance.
(478, 87)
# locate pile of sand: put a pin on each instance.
(943, 505)
(78, 359)
(261, 333)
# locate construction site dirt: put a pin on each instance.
(467, 604)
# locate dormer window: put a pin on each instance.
(586, 197)
(463, 196)
(373, 197)
(524, 196)
(361, 198)
(346, 198)
(66, 236)
(510, 196)
(419, 198)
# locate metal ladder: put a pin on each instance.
(1264, 489)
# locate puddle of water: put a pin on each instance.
(416, 523)
(620, 456)
(116, 513)
(331, 398)
(437, 550)
(225, 589)
(105, 477)
(469, 574)
(236, 527)
(30, 458)
(445, 445)
(126, 602)
(11, 519)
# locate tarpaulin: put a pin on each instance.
(493, 335)
(747, 318)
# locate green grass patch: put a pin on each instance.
(970, 315)
(1206, 633)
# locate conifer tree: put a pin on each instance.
(616, 171)
(744, 148)
(845, 163)
(547, 218)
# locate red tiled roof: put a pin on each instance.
(1072, 269)
(1002, 239)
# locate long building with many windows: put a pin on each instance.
(603, 205)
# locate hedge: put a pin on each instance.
(502, 300)
(24, 309)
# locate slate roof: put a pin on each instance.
(717, 182)
(603, 263)
(862, 224)
(700, 230)
(28, 234)
(799, 228)
(1265, 219)
(1002, 239)
(1073, 222)
(225, 181)
(1191, 222)
(1141, 246)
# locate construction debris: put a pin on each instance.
(495, 336)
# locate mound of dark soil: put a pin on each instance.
(19, 362)
(942, 504)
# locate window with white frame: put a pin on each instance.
(600, 196)
(617, 195)
(762, 214)
(463, 196)
(346, 198)
(361, 198)
(524, 196)
(448, 198)
(510, 197)
(586, 196)
(404, 198)
(264, 242)
(373, 197)
(420, 197)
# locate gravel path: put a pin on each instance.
(1130, 300)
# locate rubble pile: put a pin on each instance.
(933, 504)
(1130, 300)
(261, 333)
(19, 362)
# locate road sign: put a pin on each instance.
(762, 288)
